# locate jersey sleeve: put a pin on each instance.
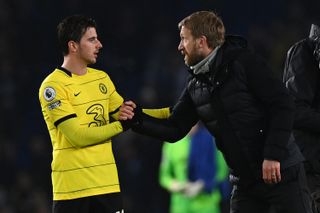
(83, 136)
(165, 169)
(161, 113)
(54, 102)
(115, 99)
(222, 168)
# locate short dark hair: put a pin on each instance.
(205, 23)
(72, 28)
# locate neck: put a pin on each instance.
(74, 66)
(208, 51)
(203, 66)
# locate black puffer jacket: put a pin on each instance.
(302, 78)
(247, 110)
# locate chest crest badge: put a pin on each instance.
(103, 88)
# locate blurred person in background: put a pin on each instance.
(192, 170)
(248, 111)
(78, 104)
(302, 78)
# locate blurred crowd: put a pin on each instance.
(140, 54)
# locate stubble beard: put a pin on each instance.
(193, 59)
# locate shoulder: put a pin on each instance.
(236, 49)
(301, 54)
(52, 83)
(99, 73)
(54, 78)
(250, 58)
(303, 46)
(304, 43)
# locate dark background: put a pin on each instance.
(140, 54)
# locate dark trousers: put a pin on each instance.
(314, 186)
(107, 203)
(291, 195)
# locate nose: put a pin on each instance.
(99, 44)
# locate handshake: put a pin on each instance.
(188, 189)
(130, 115)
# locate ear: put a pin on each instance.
(202, 41)
(73, 46)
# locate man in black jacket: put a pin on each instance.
(302, 78)
(249, 112)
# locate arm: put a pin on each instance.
(222, 168)
(279, 109)
(168, 176)
(278, 105)
(173, 128)
(165, 176)
(301, 75)
(126, 111)
(161, 113)
(80, 136)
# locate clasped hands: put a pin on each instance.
(129, 114)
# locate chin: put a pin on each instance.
(186, 62)
(93, 61)
(190, 64)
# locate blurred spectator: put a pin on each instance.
(192, 170)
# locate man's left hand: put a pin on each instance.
(271, 171)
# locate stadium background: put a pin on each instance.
(140, 54)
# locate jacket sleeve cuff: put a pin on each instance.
(274, 152)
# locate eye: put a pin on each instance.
(93, 39)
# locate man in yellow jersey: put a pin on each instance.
(77, 102)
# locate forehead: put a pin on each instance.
(184, 31)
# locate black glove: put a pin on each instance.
(126, 124)
(137, 114)
(135, 121)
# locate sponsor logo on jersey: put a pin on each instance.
(49, 93)
(76, 94)
(103, 88)
(97, 110)
(54, 105)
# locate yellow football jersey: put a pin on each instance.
(90, 98)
